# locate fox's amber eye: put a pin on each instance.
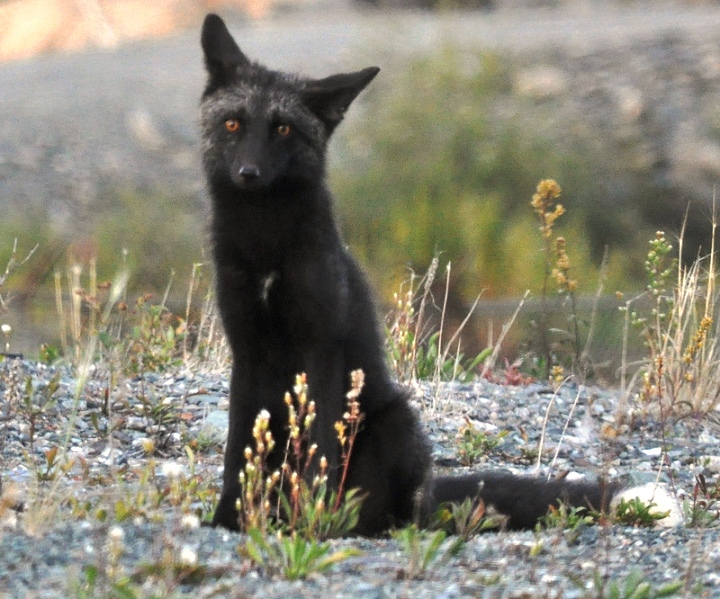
(283, 130)
(232, 125)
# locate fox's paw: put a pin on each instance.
(226, 516)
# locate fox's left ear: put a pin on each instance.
(329, 98)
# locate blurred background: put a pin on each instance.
(477, 101)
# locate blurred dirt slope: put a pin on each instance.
(30, 27)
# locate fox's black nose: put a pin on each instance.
(249, 172)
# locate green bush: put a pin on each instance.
(443, 160)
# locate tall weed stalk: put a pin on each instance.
(13, 263)
(680, 377)
(420, 350)
(556, 268)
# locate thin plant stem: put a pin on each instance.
(581, 388)
(60, 307)
(593, 313)
(429, 279)
(439, 361)
(492, 359)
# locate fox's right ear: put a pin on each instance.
(222, 54)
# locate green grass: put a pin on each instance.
(472, 160)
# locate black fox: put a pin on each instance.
(292, 299)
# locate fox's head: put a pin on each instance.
(263, 128)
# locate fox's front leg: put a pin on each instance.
(320, 324)
(241, 415)
(326, 383)
(248, 394)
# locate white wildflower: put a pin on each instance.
(115, 533)
(172, 469)
(188, 556)
(190, 521)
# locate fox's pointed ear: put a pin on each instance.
(222, 54)
(329, 98)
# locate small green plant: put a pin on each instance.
(143, 335)
(108, 579)
(163, 416)
(173, 568)
(432, 364)
(637, 513)
(288, 513)
(659, 268)
(467, 519)
(570, 520)
(141, 500)
(87, 587)
(702, 509)
(33, 403)
(158, 576)
(473, 443)
(187, 491)
(291, 555)
(634, 586)
(49, 354)
(156, 337)
(52, 466)
(424, 549)
(529, 454)
(145, 494)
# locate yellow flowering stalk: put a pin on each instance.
(542, 202)
(353, 417)
(548, 210)
(254, 502)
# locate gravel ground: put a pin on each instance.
(49, 554)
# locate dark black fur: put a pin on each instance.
(292, 299)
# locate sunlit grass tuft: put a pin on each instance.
(680, 377)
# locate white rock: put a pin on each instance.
(541, 82)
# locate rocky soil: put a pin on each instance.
(62, 546)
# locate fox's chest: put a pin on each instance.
(303, 297)
(252, 292)
(270, 300)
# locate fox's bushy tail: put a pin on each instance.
(523, 499)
